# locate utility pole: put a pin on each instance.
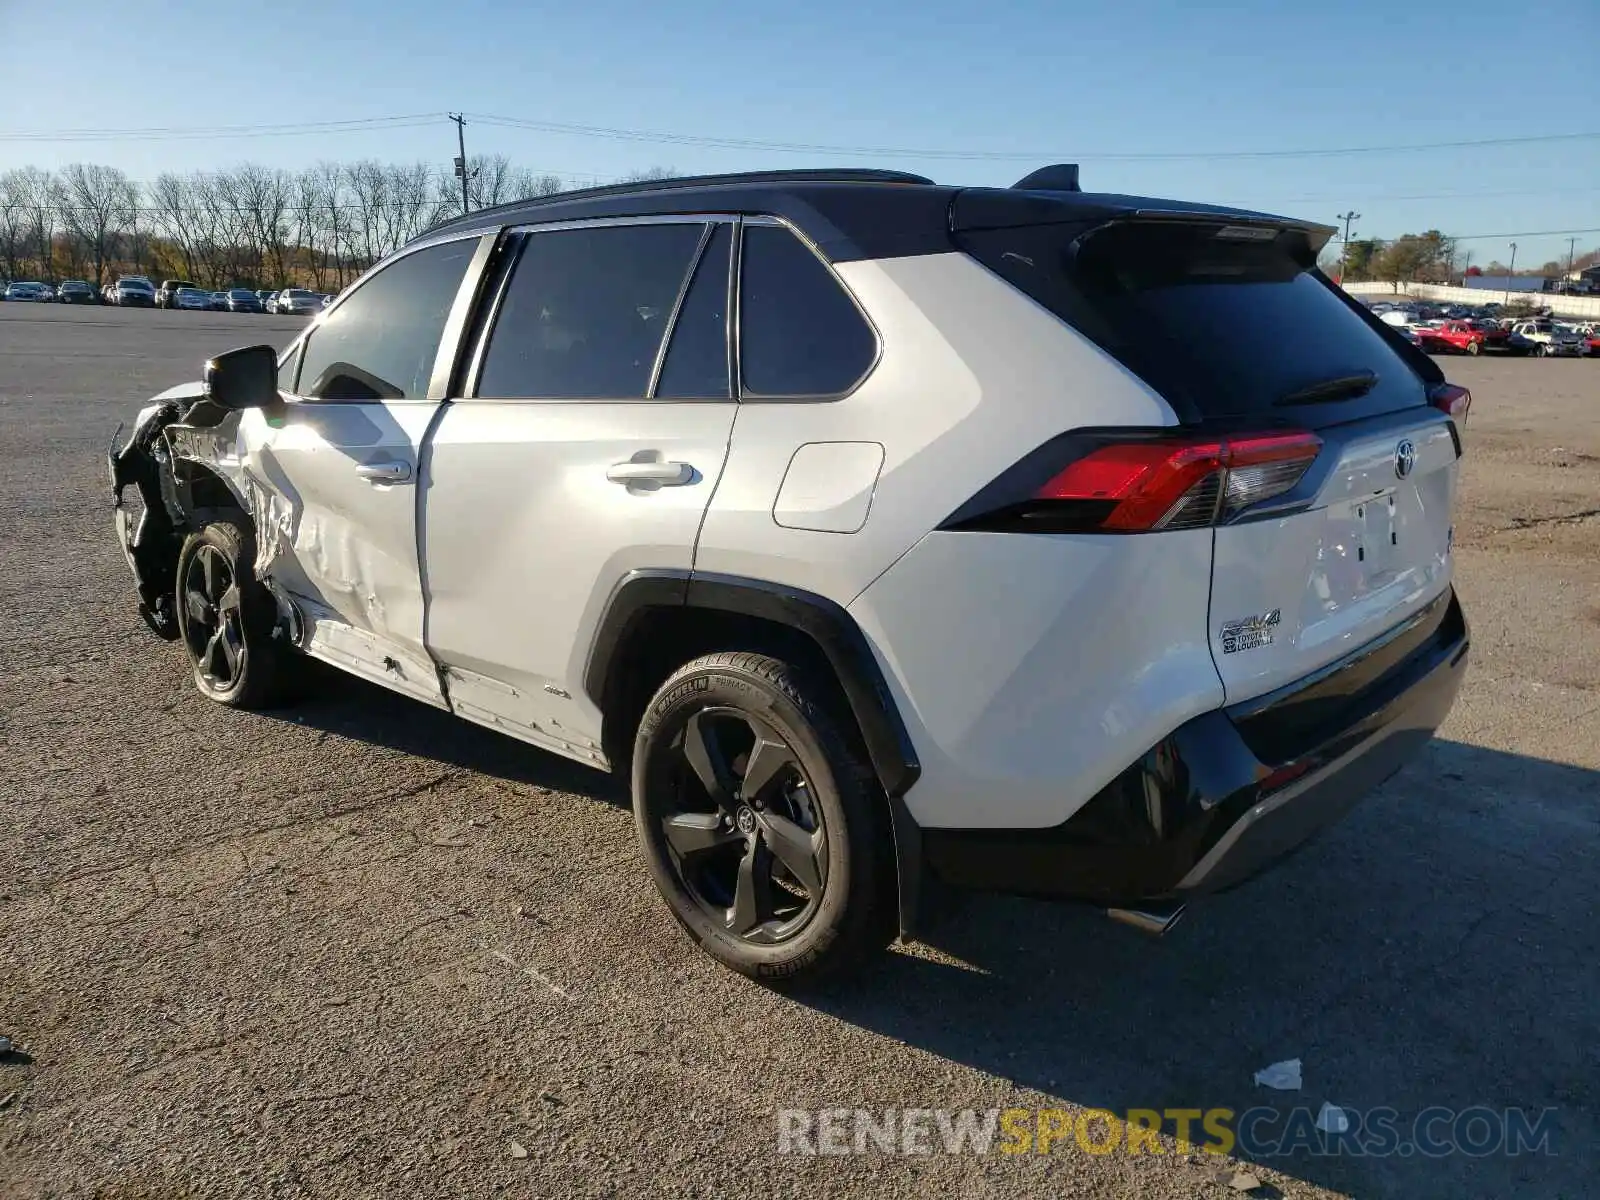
(1344, 246)
(461, 158)
(1572, 251)
(1512, 273)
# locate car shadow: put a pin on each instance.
(1436, 950)
(339, 703)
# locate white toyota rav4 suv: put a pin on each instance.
(880, 531)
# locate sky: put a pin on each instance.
(1154, 97)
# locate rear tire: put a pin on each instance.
(227, 620)
(761, 820)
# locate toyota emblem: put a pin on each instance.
(1405, 458)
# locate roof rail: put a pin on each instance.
(803, 175)
(1058, 177)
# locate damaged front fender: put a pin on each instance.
(151, 541)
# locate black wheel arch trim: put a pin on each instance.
(827, 623)
(894, 758)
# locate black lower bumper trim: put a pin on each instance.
(1209, 807)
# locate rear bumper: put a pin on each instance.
(1234, 790)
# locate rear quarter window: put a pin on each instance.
(801, 334)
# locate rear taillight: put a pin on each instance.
(1451, 400)
(1145, 485)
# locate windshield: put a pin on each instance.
(242, 294)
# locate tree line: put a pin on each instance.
(249, 225)
(1430, 257)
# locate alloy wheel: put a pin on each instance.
(214, 625)
(742, 827)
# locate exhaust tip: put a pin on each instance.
(1154, 921)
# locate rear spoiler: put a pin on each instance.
(1044, 198)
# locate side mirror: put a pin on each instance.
(243, 378)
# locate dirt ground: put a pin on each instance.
(359, 948)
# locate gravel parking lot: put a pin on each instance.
(360, 948)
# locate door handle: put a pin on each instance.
(384, 472)
(667, 474)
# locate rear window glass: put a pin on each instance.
(1220, 323)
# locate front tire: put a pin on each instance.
(761, 820)
(227, 619)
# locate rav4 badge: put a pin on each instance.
(1249, 632)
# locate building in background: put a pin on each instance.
(1507, 283)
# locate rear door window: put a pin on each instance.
(1222, 321)
(696, 365)
(800, 333)
(585, 312)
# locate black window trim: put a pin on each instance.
(677, 308)
(450, 337)
(516, 238)
(746, 397)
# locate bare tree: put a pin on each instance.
(527, 185)
(328, 184)
(174, 211)
(650, 175)
(261, 194)
(96, 202)
(13, 224)
(31, 192)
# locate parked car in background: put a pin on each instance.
(298, 302)
(75, 291)
(1589, 335)
(1431, 338)
(191, 298)
(27, 292)
(243, 300)
(168, 290)
(265, 295)
(1226, 612)
(1473, 337)
(1549, 340)
(218, 301)
(135, 292)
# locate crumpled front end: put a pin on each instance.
(151, 540)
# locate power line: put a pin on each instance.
(1478, 237)
(180, 132)
(664, 137)
(729, 143)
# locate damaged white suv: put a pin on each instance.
(881, 531)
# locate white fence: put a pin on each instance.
(1565, 306)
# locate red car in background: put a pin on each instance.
(1430, 339)
(1472, 337)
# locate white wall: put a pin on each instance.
(1565, 306)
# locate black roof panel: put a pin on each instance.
(849, 213)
